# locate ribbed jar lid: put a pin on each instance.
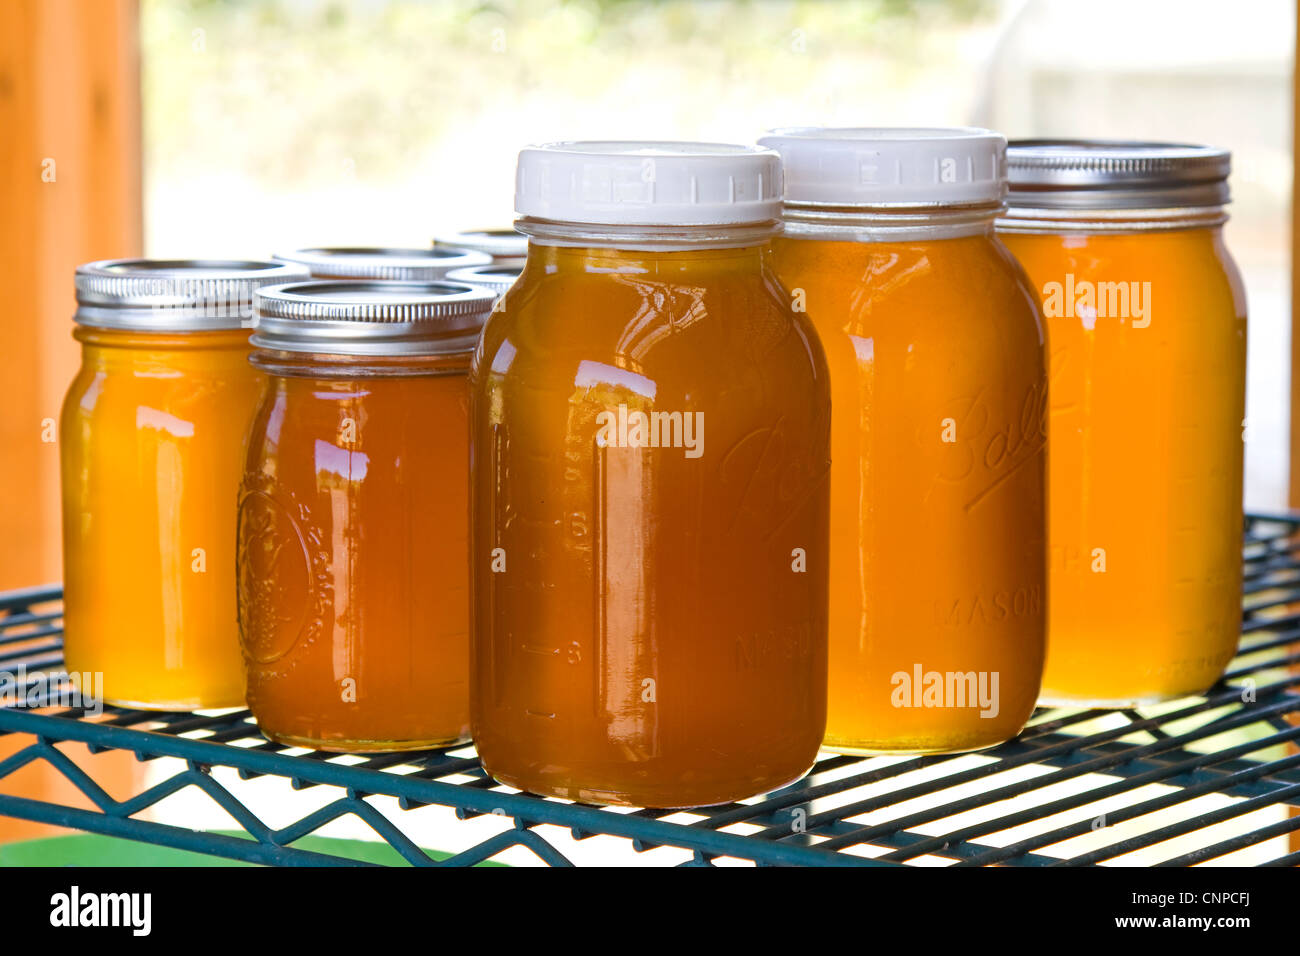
(402, 265)
(497, 243)
(175, 295)
(890, 166)
(646, 183)
(378, 317)
(1115, 174)
(497, 277)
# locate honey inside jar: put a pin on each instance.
(650, 427)
(353, 516)
(151, 435)
(936, 358)
(1146, 320)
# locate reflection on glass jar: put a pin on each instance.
(151, 438)
(935, 348)
(1146, 324)
(353, 515)
(650, 428)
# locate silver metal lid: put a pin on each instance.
(382, 317)
(1115, 174)
(497, 277)
(498, 243)
(174, 295)
(403, 265)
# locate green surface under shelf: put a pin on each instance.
(90, 849)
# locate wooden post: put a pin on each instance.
(69, 192)
(1294, 456)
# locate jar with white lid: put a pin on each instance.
(937, 372)
(650, 464)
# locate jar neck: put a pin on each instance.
(231, 340)
(890, 223)
(335, 366)
(665, 239)
(1046, 220)
(678, 265)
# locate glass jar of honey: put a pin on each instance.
(935, 349)
(1146, 327)
(152, 438)
(502, 246)
(401, 265)
(650, 487)
(354, 515)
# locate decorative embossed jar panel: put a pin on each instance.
(939, 395)
(938, 547)
(353, 520)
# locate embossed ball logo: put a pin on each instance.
(275, 591)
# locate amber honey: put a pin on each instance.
(936, 356)
(353, 516)
(650, 460)
(151, 438)
(1146, 320)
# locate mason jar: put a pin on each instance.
(353, 574)
(1146, 325)
(152, 442)
(650, 446)
(936, 356)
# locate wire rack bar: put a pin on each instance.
(1020, 804)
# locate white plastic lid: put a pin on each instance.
(649, 183)
(890, 167)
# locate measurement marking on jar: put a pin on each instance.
(498, 517)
